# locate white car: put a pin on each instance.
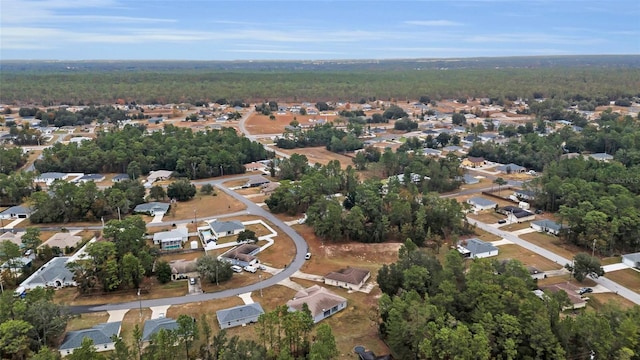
(250, 269)
(307, 256)
(236, 268)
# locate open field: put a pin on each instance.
(516, 226)
(261, 124)
(526, 257)
(566, 279)
(553, 244)
(628, 278)
(486, 236)
(596, 301)
(132, 318)
(320, 155)
(487, 216)
(204, 206)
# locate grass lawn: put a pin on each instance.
(489, 217)
(553, 244)
(486, 236)
(515, 227)
(596, 301)
(526, 257)
(85, 321)
(566, 278)
(611, 260)
(204, 206)
(628, 278)
(132, 318)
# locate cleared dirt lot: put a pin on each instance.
(628, 278)
(261, 124)
(526, 257)
(553, 244)
(320, 155)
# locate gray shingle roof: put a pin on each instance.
(15, 210)
(152, 326)
(56, 268)
(480, 201)
(226, 226)
(152, 206)
(511, 167)
(239, 312)
(92, 177)
(477, 246)
(52, 175)
(548, 224)
(100, 334)
(121, 177)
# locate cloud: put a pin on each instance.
(433, 23)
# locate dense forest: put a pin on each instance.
(84, 83)
(195, 155)
(11, 159)
(334, 139)
(488, 311)
(63, 117)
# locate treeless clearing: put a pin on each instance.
(611, 260)
(566, 279)
(196, 309)
(204, 206)
(526, 257)
(328, 257)
(87, 320)
(249, 191)
(628, 278)
(553, 244)
(131, 318)
(185, 256)
(486, 236)
(516, 226)
(596, 301)
(320, 155)
(261, 124)
(487, 216)
(234, 183)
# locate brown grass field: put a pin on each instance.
(516, 226)
(628, 278)
(596, 301)
(486, 236)
(487, 216)
(320, 155)
(205, 206)
(84, 321)
(261, 124)
(553, 244)
(526, 257)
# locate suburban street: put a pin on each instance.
(611, 285)
(253, 209)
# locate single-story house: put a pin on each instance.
(269, 188)
(431, 152)
(256, 181)
(601, 157)
(475, 248)
(576, 300)
(548, 226)
(239, 315)
(225, 228)
(349, 278)
(525, 194)
(171, 240)
(254, 166)
(49, 177)
(151, 208)
(242, 255)
(120, 177)
(511, 168)
(180, 268)
(158, 175)
(16, 212)
(480, 203)
(469, 179)
(52, 274)
(62, 240)
(520, 216)
(90, 177)
(153, 326)
(321, 302)
(155, 120)
(473, 162)
(101, 335)
(17, 264)
(14, 238)
(78, 140)
(632, 260)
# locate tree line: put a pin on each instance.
(488, 311)
(196, 155)
(64, 117)
(336, 140)
(11, 159)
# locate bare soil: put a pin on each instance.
(321, 155)
(526, 257)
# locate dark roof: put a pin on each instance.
(475, 160)
(152, 326)
(349, 275)
(100, 334)
(549, 224)
(121, 177)
(258, 180)
(477, 246)
(14, 210)
(480, 201)
(92, 177)
(239, 312)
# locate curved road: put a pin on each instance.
(253, 209)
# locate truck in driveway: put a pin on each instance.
(251, 269)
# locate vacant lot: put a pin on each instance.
(526, 257)
(596, 301)
(321, 155)
(486, 236)
(204, 206)
(261, 124)
(553, 244)
(487, 216)
(628, 278)
(516, 226)
(85, 321)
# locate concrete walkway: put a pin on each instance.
(116, 315)
(246, 297)
(524, 231)
(501, 242)
(291, 285)
(157, 218)
(12, 224)
(159, 311)
(312, 277)
(615, 267)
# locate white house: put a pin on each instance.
(548, 226)
(16, 212)
(52, 274)
(171, 240)
(225, 228)
(480, 203)
(90, 177)
(152, 208)
(321, 302)
(158, 175)
(101, 335)
(475, 248)
(349, 278)
(632, 260)
(49, 177)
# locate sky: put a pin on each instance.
(313, 30)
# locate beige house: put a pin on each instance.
(321, 302)
(62, 240)
(349, 278)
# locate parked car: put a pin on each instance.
(307, 256)
(236, 268)
(192, 281)
(503, 221)
(262, 267)
(250, 268)
(585, 291)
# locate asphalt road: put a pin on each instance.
(611, 285)
(253, 209)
